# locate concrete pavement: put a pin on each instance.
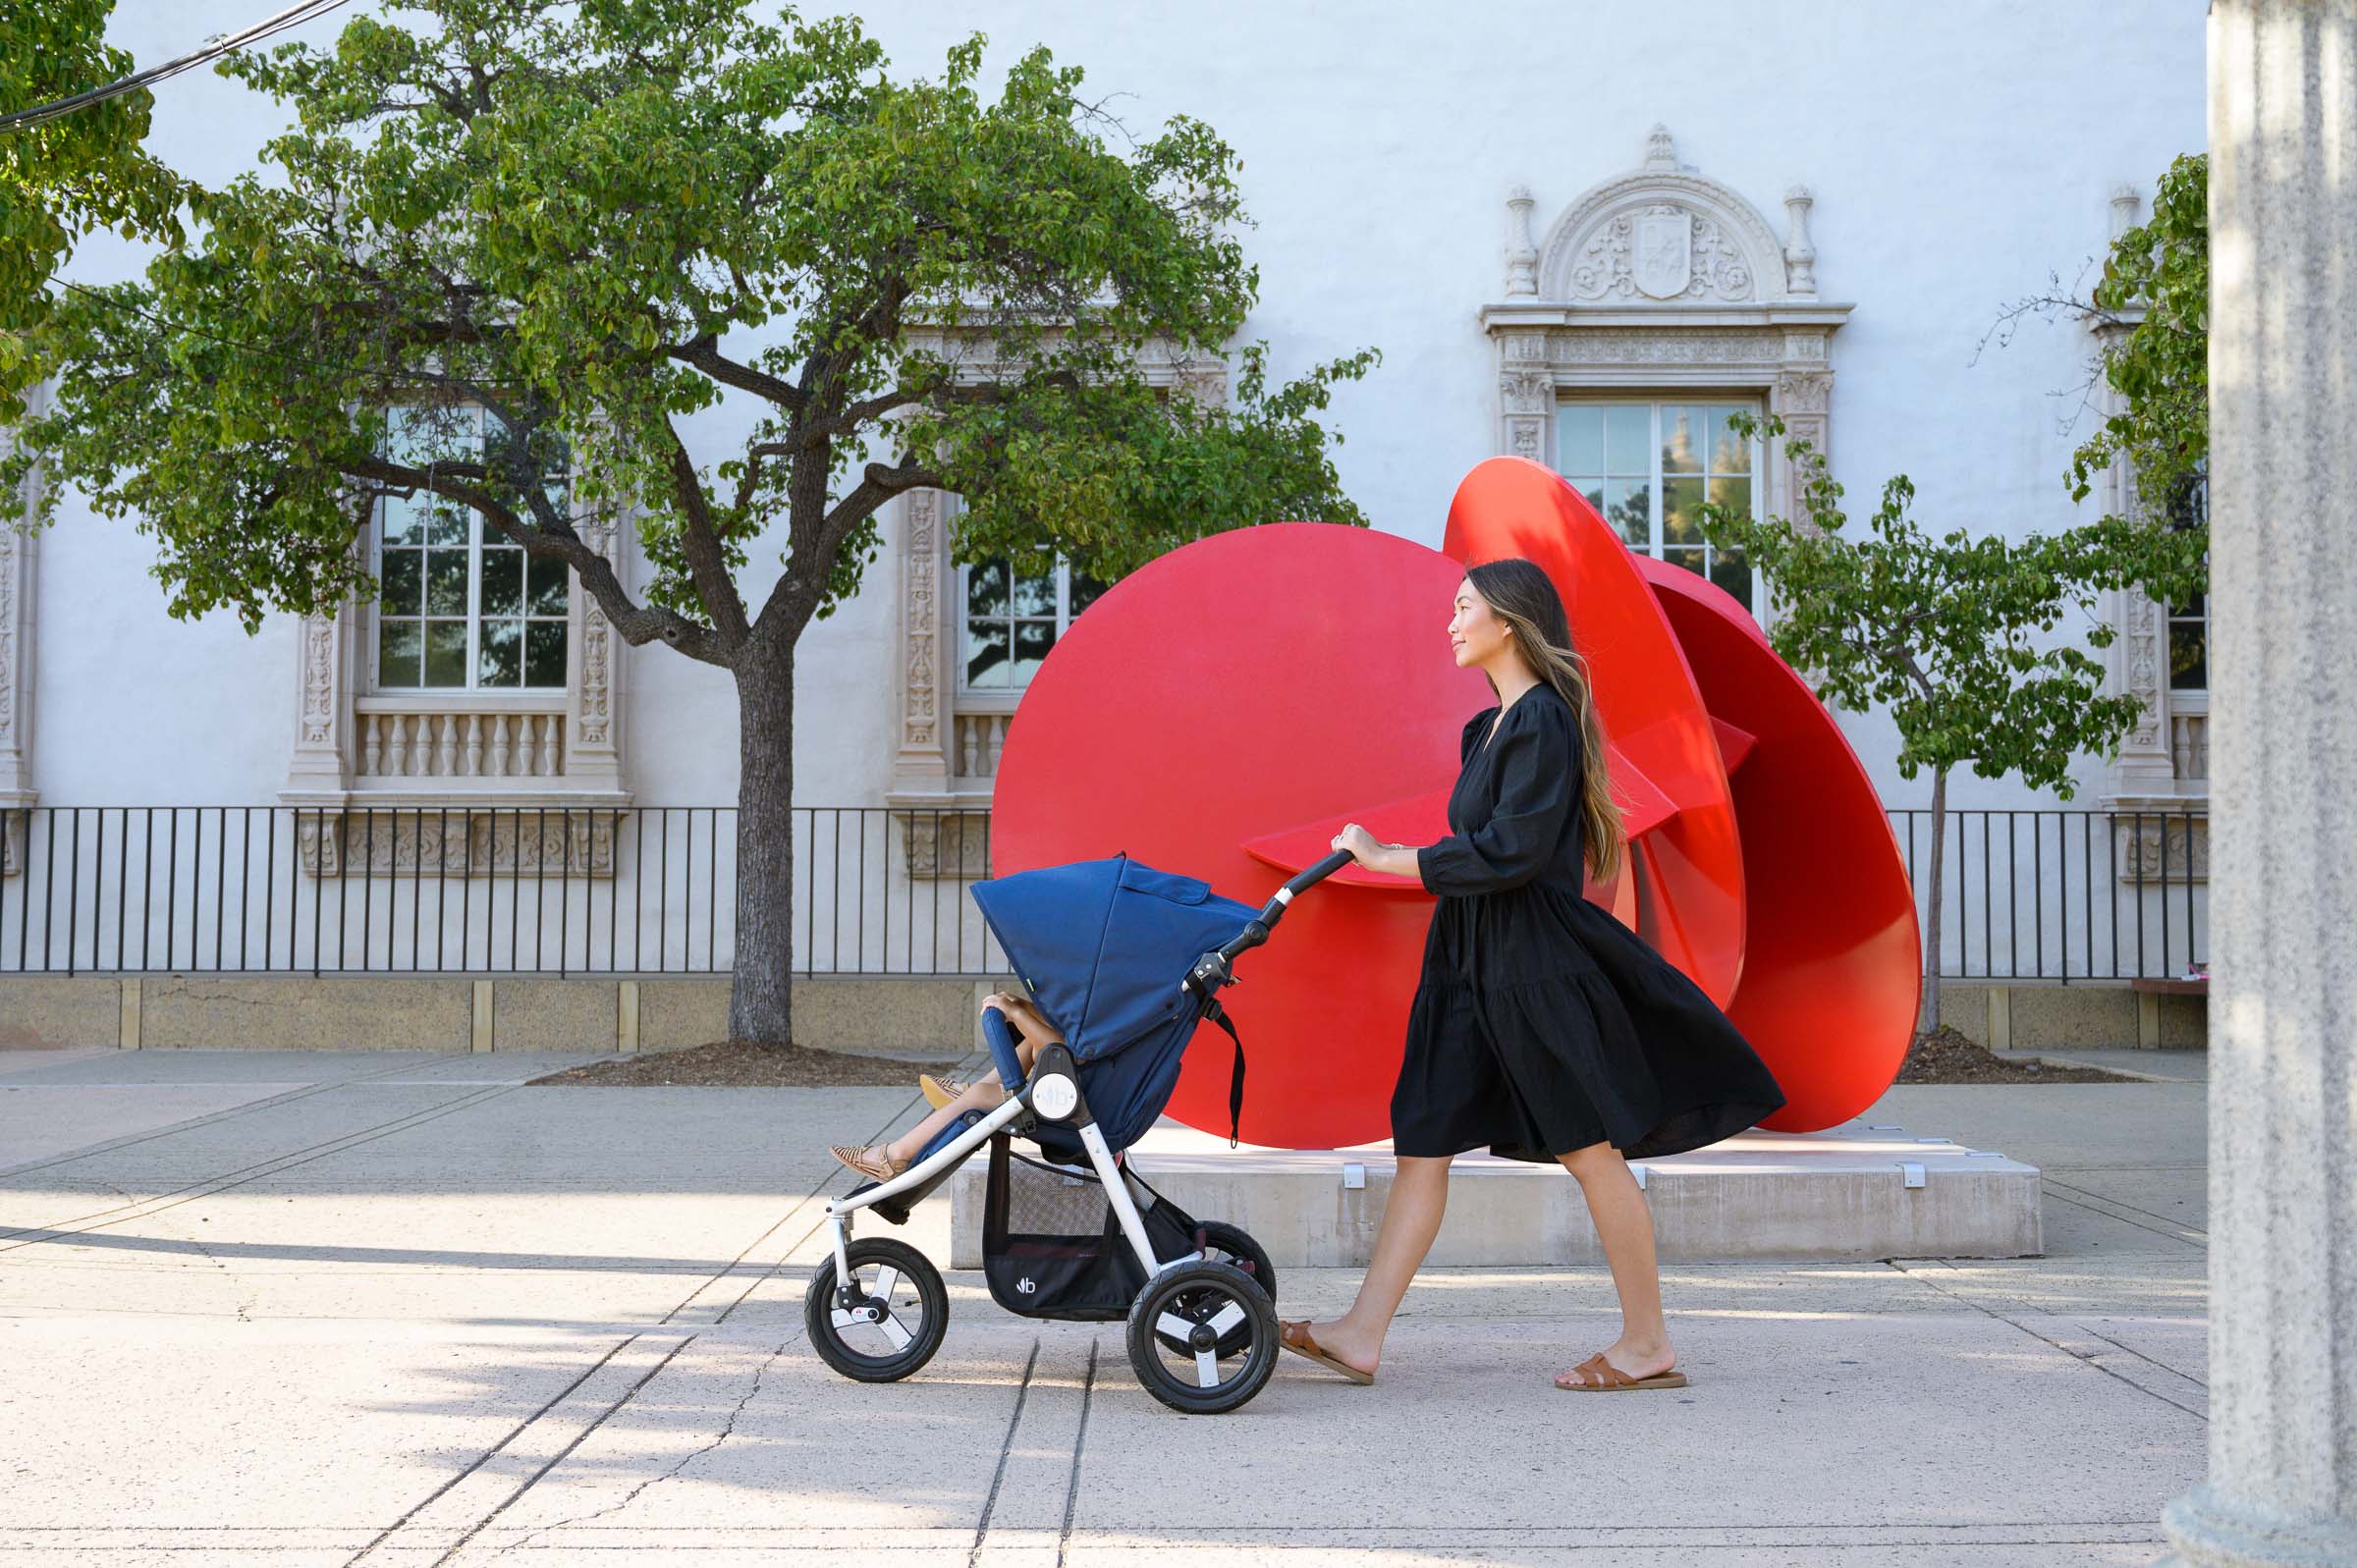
(275, 1308)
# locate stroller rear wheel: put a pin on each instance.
(1203, 1338)
(893, 1319)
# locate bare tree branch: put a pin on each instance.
(699, 542)
(704, 354)
(797, 593)
(638, 624)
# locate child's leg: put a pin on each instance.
(982, 1095)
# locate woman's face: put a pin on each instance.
(1475, 634)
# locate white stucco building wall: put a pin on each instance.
(1956, 157)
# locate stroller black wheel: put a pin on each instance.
(1232, 1245)
(896, 1318)
(1203, 1338)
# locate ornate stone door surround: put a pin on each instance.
(18, 551)
(942, 767)
(2159, 780)
(1660, 279)
(462, 781)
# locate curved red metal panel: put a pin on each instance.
(1833, 969)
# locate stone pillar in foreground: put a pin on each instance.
(2283, 1484)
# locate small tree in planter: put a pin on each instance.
(1953, 634)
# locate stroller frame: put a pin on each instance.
(1054, 1077)
(1202, 1330)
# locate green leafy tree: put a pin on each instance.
(1953, 635)
(2155, 289)
(597, 219)
(65, 176)
(2150, 307)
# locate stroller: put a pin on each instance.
(1132, 959)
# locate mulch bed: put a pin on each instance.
(1947, 1055)
(742, 1064)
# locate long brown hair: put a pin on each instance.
(1521, 594)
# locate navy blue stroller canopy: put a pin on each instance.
(1103, 947)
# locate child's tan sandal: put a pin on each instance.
(940, 1092)
(873, 1164)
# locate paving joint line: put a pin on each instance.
(563, 1453)
(722, 1273)
(1015, 1419)
(1071, 1486)
(760, 1374)
(212, 1185)
(2083, 1194)
(2198, 1383)
(128, 1140)
(775, 1269)
(487, 1456)
(2088, 1361)
(2199, 1241)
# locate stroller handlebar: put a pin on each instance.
(1317, 873)
(1211, 970)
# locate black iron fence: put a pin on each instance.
(574, 890)
(544, 890)
(2065, 896)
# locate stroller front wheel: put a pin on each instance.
(895, 1318)
(1203, 1338)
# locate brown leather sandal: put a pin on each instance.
(1599, 1375)
(873, 1162)
(1297, 1337)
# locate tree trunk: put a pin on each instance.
(1930, 1018)
(761, 990)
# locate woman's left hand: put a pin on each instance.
(1360, 843)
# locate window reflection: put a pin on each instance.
(1013, 620)
(460, 606)
(1647, 468)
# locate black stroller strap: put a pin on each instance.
(1235, 1078)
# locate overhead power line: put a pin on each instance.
(292, 16)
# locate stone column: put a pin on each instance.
(2283, 1484)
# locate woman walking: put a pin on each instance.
(1542, 1027)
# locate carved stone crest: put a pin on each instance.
(1665, 253)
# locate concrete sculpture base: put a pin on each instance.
(1847, 1193)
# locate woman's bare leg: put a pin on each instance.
(1411, 1219)
(1625, 1225)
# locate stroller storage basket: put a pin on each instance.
(1053, 1247)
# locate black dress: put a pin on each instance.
(1542, 1024)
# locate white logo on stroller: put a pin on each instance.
(1026, 1284)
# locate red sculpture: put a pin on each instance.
(1226, 709)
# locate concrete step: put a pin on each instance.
(1852, 1192)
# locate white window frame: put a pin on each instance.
(524, 692)
(972, 698)
(1655, 401)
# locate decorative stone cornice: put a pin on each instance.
(1656, 279)
(1663, 233)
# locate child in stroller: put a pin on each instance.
(884, 1160)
